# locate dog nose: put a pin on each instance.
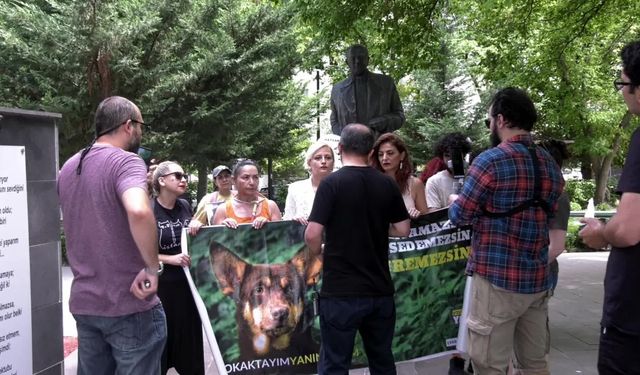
(280, 314)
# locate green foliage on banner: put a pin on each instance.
(427, 298)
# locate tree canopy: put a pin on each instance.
(214, 78)
(564, 53)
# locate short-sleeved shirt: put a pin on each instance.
(170, 223)
(621, 308)
(207, 207)
(438, 189)
(356, 205)
(560, 220)
(510, 252)
(101, 251)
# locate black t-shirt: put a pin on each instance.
(621, 300)
(356, 205)
(170, 224)
(560, 219)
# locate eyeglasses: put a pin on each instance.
(178, 175)
(487, 123)
(620, 84)
(137, 122)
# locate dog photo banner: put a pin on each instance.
(254, 289)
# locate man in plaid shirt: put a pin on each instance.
(508, 195)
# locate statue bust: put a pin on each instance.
(364, 97)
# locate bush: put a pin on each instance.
(575, 206)
(573, 241)
(580, 191)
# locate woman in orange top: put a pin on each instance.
(248, 205)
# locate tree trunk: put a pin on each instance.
(586, 168)
(603, 169)
(202, 181)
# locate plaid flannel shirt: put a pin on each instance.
(510, 252)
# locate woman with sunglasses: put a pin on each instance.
(391, 157)
(248, 205)
(183, 350)
(319, 163)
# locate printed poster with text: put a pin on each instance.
(256, 290)
(15, 282)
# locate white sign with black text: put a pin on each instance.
(15, 282)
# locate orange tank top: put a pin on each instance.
(261, 208)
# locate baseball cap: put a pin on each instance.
(216, 171)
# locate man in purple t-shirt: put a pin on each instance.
(112, 248)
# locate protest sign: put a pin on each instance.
(255, 289)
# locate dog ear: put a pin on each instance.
(307, 265)
(228, 268)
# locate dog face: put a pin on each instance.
(269, 298)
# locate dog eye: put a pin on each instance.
(259, 289)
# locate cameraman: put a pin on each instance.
(441, 185)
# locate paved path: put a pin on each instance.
(574, 316)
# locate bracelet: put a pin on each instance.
(158, 272)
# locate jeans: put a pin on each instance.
(341, 318)
(122, 345)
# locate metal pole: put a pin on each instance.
(270, 178)
(318, 104)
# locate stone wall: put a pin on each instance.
(38, 132)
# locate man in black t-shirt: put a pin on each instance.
(358, 208)
(620, 334)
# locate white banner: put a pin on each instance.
(15, 281)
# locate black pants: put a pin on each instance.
(619, 353)
(341, 318)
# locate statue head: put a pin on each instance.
(357, 58)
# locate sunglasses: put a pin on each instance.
(178, 175)
(487, 123)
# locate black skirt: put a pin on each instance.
(183, 350)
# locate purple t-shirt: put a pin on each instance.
(102, 253)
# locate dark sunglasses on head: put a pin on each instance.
(178, 175)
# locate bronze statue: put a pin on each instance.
(364, 97)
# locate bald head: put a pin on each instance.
(356, 139)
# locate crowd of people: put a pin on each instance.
(146, 322)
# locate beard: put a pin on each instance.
(495, 138)
(134, 144)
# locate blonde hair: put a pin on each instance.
(162, 169)
(315, 147)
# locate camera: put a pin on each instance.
(456, 166)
